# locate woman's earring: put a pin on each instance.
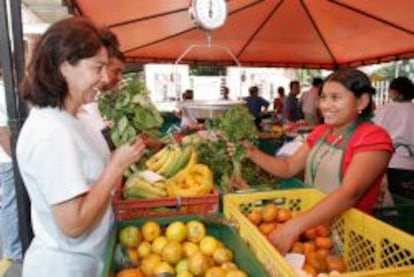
(359, 111)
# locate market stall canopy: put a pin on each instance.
(283, 33)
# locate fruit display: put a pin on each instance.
(181, 247)
(177, 174)
(315, 243)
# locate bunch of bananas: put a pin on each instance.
(170, 160)
(138, 187)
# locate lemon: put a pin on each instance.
(176, 231)
(158, 244)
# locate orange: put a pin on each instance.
(172, 252)
(297, 248)
(208, 245)
(176, 231)
(267, 227)
(310, 234)
(308, 247)
(323, 230)
(336, 263)
(196, 231)
(255, 217)
(269, 212)
(310, 269)
(324, 242)
(283, 215)
(318, 262)
(130, 272)
(150, 230)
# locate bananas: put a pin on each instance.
(171, 159)
(137, 187)
(185, 177)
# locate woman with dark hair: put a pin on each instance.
(345, 157)
(396, 118)
(68, 182)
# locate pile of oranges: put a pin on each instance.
(181, 249)
(315, 243)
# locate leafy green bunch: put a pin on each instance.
(237, 125)
(131, 111)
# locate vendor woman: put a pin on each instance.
(345, 157)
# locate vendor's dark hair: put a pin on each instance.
(72, 40)
(357, 82)
(111, 43)
(404, 87)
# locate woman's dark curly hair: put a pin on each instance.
(72, 40)
(357, 82)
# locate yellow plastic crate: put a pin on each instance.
(369, 246)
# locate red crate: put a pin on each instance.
(127, 209)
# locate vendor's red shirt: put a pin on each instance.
(366, 137)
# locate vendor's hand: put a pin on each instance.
(128, 153)
(249, 147)
(284, 236)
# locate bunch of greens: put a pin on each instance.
(213, 154)
(237, 126)
(131, 111)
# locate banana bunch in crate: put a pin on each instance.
(178, 172)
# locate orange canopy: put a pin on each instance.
(283, 33)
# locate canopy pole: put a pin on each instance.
(13, 69)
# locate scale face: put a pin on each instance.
(209, 14)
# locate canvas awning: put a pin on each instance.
(284, 33)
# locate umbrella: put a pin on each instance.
(282, 33)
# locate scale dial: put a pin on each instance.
(209, 14)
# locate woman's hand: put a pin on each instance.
(284, 236)
(128, 153)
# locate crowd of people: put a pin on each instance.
(69, 171)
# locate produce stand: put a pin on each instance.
(243, 256)
(369, 246)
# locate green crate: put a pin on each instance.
(243, 257)
(400, 216)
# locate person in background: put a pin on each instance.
(279, 102)
(89, 113)
(9, 217)
(345, 157)
(224, 91)
(396, 118)
(189, 122)
(309, 103)
(291, 108)
(256, 104)
(69, 183)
